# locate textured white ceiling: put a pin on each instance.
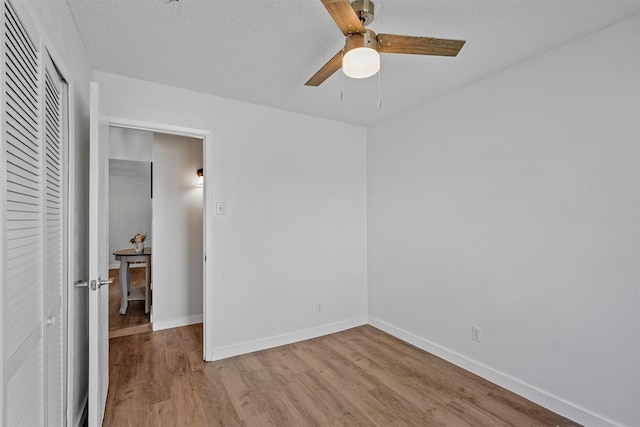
(264, 51)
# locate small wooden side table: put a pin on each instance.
(126, 257)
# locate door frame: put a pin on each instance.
(205, 135)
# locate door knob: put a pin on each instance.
(102, 282)
(82, 284)
(93, 284)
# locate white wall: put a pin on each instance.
(294, 229)
(178, 231)
(58, 30)
(130, 144)
(129, 204)
(130, 155)
(513, 205)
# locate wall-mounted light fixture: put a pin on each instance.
(200, 174)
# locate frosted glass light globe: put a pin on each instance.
(361, 62)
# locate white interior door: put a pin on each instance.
(98, 261)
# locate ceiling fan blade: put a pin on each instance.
(326, 71)
(391, 43)
(344, 15)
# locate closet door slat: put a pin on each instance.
(23, 225)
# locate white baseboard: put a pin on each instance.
(176, 323)
(284, 339)
(541, 397)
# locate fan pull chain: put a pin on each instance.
(379, 91)
(341, 86)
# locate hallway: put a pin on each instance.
(135, 321)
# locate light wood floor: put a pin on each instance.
(135, 321)
(357, 377)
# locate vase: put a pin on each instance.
(138, 247)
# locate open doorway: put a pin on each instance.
(154, 192)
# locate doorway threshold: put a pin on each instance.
(132, 330)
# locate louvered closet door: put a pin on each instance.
(54, 274)
(23, 240)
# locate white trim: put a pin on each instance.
(71, 261)
(206, 199)
(157, 127)
(177, 323)
(528, 391)
(284, 339)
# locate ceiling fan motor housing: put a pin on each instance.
(356, 40)
(365, 10)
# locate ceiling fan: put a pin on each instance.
(360, 56)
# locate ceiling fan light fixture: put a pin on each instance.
(361, 58)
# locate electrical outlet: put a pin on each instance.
(319, 307)
(475, 333)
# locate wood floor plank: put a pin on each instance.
(281, 409)
(216, 402)
(361, 376)
(345, 382)
(408, 413)
(283, 362)
(246, 401)
(249, 362)
(162, 414)
(331, 400)
(260, 420)
(305, 403)
(346, 359)
(187, 404)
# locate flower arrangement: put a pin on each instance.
(139, 237)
